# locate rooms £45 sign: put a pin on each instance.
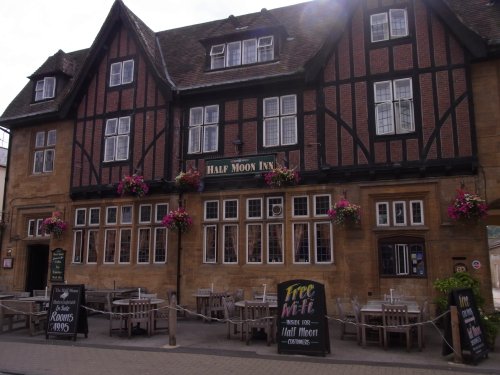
(302, 322)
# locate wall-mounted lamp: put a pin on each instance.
(238, 143)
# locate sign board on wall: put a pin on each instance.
(57, 265)
(302, 322)
(238, 166)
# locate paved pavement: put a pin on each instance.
(204, 348)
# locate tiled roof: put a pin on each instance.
(481, 16)
(306, 26)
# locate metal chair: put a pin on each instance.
(395, 320)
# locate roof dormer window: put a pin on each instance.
(45, 88)
(236, 53)
(121, 73)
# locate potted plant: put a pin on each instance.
(281, 176)
(178, 220)
(133, 185)
(467, 207)
(54, 225)
(344, 212)
(189, 180)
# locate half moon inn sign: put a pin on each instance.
(241, 165)
(302, 322)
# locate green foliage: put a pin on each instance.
(459, 280)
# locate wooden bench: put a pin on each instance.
(28, 310)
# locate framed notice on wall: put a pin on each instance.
(8, 262)
(57, 265)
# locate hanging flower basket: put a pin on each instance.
(189, 180)
(178, 220)
(281, 176)
(133, 185)
(344, 212)
(54, 225)
(467, 207)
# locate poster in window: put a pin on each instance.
(8, 262)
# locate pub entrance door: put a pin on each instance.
(38, 266)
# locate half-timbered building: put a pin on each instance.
(373, 101)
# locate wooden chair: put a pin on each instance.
(271, 298)
(139, 312)
(160, 316)
(215, 306)
(239, 295)
(117, 320)
(370, 330)
(347, 320)
(41, 292)
(231, 316)
(257, 316)
(395, 320)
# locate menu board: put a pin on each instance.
(66, 317)
(472, 337)
(57, 265)
(302, 322)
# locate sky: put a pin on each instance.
(33, 30)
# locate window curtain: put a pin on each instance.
(298, 237)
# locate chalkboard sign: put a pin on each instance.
(302, 322)
(57, 265)
(66, 316)
(472, 337)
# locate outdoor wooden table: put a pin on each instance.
(42, 301)
(240, 305)
(6, 296)
(374, 309)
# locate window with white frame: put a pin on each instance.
(78, 246)
(322, 204)
(116, 139)
(45, 153)
(126, 215)
(31, 227)
(45, 89)
(39, 232)
(300, 243)
(203, 129)
(275, 207)
(275, 253)
(323, 242)
(94, 216)
(121, 73)
(143, 245)
(210, 244)
(80, 217)
(160, 249)
(236, 53)
(389, 25)
(402, 257)
(92, 241)
(211, 210)
(111, 215)
(400, 213)
(254, 208)
(125, 245)
(254, 243)
(161, 211)
(109, 245)
(300, 206)
(230, 209)
(394, 107)
(280, 121)
(34, 228)
(145, 213)
(230, 243)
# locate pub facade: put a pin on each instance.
(369, 102)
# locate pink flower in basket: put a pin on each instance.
(189, 180)
(281, 176)
(467, 207)
(345, 212)
(54, 225)
(134, 185)
(178, 220)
